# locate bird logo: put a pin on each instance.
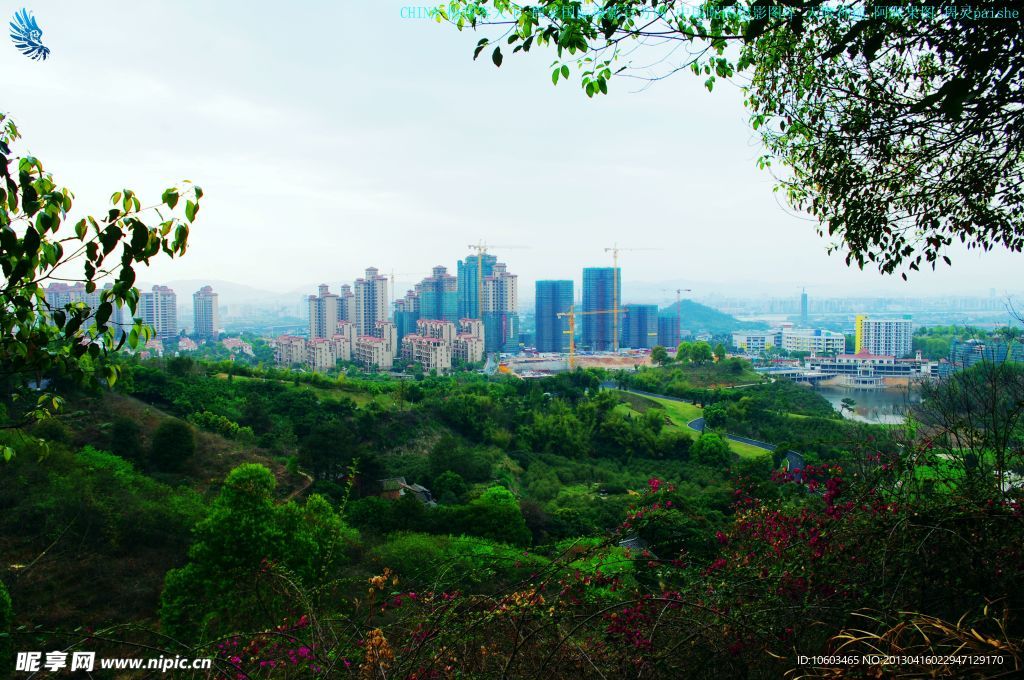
(25, 33)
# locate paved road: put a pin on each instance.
(796, 461)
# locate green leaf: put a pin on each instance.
(191, 207)
(170, 198)
(565, 71)
(496, 56)
(8, 453)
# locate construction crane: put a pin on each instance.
(679, 309)
(615, 250)
(481, 249)
(571, 332)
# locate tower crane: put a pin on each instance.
(615, 250)
(679, 309)
(571, 332)
(482, 249)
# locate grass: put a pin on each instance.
(677, 415)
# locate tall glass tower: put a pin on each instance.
(552, 298)
(470, 278)
(602, 287)
(639, 325)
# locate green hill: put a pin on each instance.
(699, 318)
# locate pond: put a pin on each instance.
(885, 406)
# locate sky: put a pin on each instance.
(333, 136)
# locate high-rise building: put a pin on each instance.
(471, 273)
(59, 295)
(885, 337)
(668, 332)
(323, 313)
(205, 315)
(407, 313)
(347, 304)
(639, 324)
(371, 302)
(438, 294)
(159, 309)
(602, 288)
(501, 315)
(804, 316)
(552, 298)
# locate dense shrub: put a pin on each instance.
(172, 446)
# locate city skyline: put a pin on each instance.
(373, 176)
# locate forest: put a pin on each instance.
(465, 525)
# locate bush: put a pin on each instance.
(52, 430)
(126, 439)
(711, 449)
(173, 444)
(240, 546)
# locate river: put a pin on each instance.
(886, 406)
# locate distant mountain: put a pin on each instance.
(700, 318)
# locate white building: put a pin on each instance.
(755, 342)
(377, 351)
(159, 309)
(289, 350)
(469, 343)
(813, 341)
(323, 313)
(433, 354)
(893, 337)
(371, 302)
(205, 314)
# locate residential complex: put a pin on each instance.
(438, 296)
(893, 337)
(552, 298)
(639, 326)
(205, 315)
(406, 314)
(158, 308)
(501, 310)
(602, 289)
(471, 273)
(378, 350)
(323, 313)
(58, 295)
(371, 302)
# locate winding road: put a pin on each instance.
(796, 461)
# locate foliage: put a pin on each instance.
(38, 244)
(126, 439)
(221, 425)
(172, 446)
(711, 449)
(244, 539)
(93, 497)
(900, 129)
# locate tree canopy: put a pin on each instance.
(900, 128)
(40, 244)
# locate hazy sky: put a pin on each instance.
(332, 136)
